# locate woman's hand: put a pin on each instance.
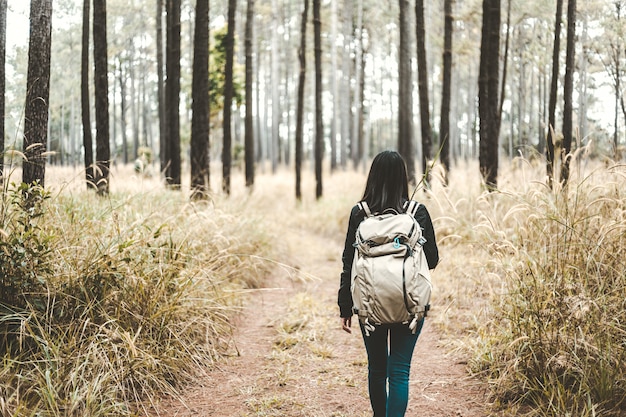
(346, 323)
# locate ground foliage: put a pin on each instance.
(554, 344)
(106, 302)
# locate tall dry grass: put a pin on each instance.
(143, 284)
(541, 288)
(129, 297)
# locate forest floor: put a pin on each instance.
(291, 358)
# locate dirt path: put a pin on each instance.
(294, 360)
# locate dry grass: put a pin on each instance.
(526, 279)
(138, 293)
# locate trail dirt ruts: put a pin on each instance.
(294, 359)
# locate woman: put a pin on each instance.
(390, 347)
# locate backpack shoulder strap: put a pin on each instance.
(411, 207)
(363, 205)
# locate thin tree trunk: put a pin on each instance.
(275, 84)
(249, 122)
(229, 44)
(505, 63)
(568, 87)
(103, 151)
(422, 76)
(172, 94)
(123, 109)
(300, 106)
(405, 94)
(357, 138)
(346, 78)
(333, 86)
(319, 128)
(163, 158)
(444, 130)
(84, 98)
(200, 105)
(553, 93)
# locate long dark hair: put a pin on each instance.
(387, 183)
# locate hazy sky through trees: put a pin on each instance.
(18, 26)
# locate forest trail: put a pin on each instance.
(294, 360)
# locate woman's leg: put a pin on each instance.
(401, 345)
(376, 347)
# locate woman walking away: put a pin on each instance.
(389, 345)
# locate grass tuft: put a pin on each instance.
(135, 295)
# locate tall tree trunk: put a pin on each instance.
(274, 89)
(229, 44)
(405, 93)
(422, 84)
(554, 82)
(615, 51)
(84, 98)
(249, 122)
(444, 130)
(346, 79)
(319, 128)
(163, 158)
(488, 93)
(505, 65)
(200, 105)
(361, 106)
(357, 137)
(568, 88)
(286, 58)
(300, 106)
(123, 108)
(103, 151)
(37, 92)
(333, 86)
(3, 48)
(172, 94)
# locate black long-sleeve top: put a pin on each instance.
(356, 216)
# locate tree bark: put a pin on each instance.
(319, 128)
(422, 84)
(37, 92)
(357, 134)
(300, 105)
(275, 143)
(121, 78)
(200, 105)
(556, 50)
(84, 98)
(405, 94)
(172, 94)
(160, 91)
(229, 44)
(333, 86)
(249, 122)
(103, 152)
(568, 88)
(444, 130)
(346, 66)
(488, 93)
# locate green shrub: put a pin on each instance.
(24, 248)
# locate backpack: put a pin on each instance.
(390, 276)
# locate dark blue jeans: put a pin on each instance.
(389, 352)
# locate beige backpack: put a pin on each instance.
(390, 275)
